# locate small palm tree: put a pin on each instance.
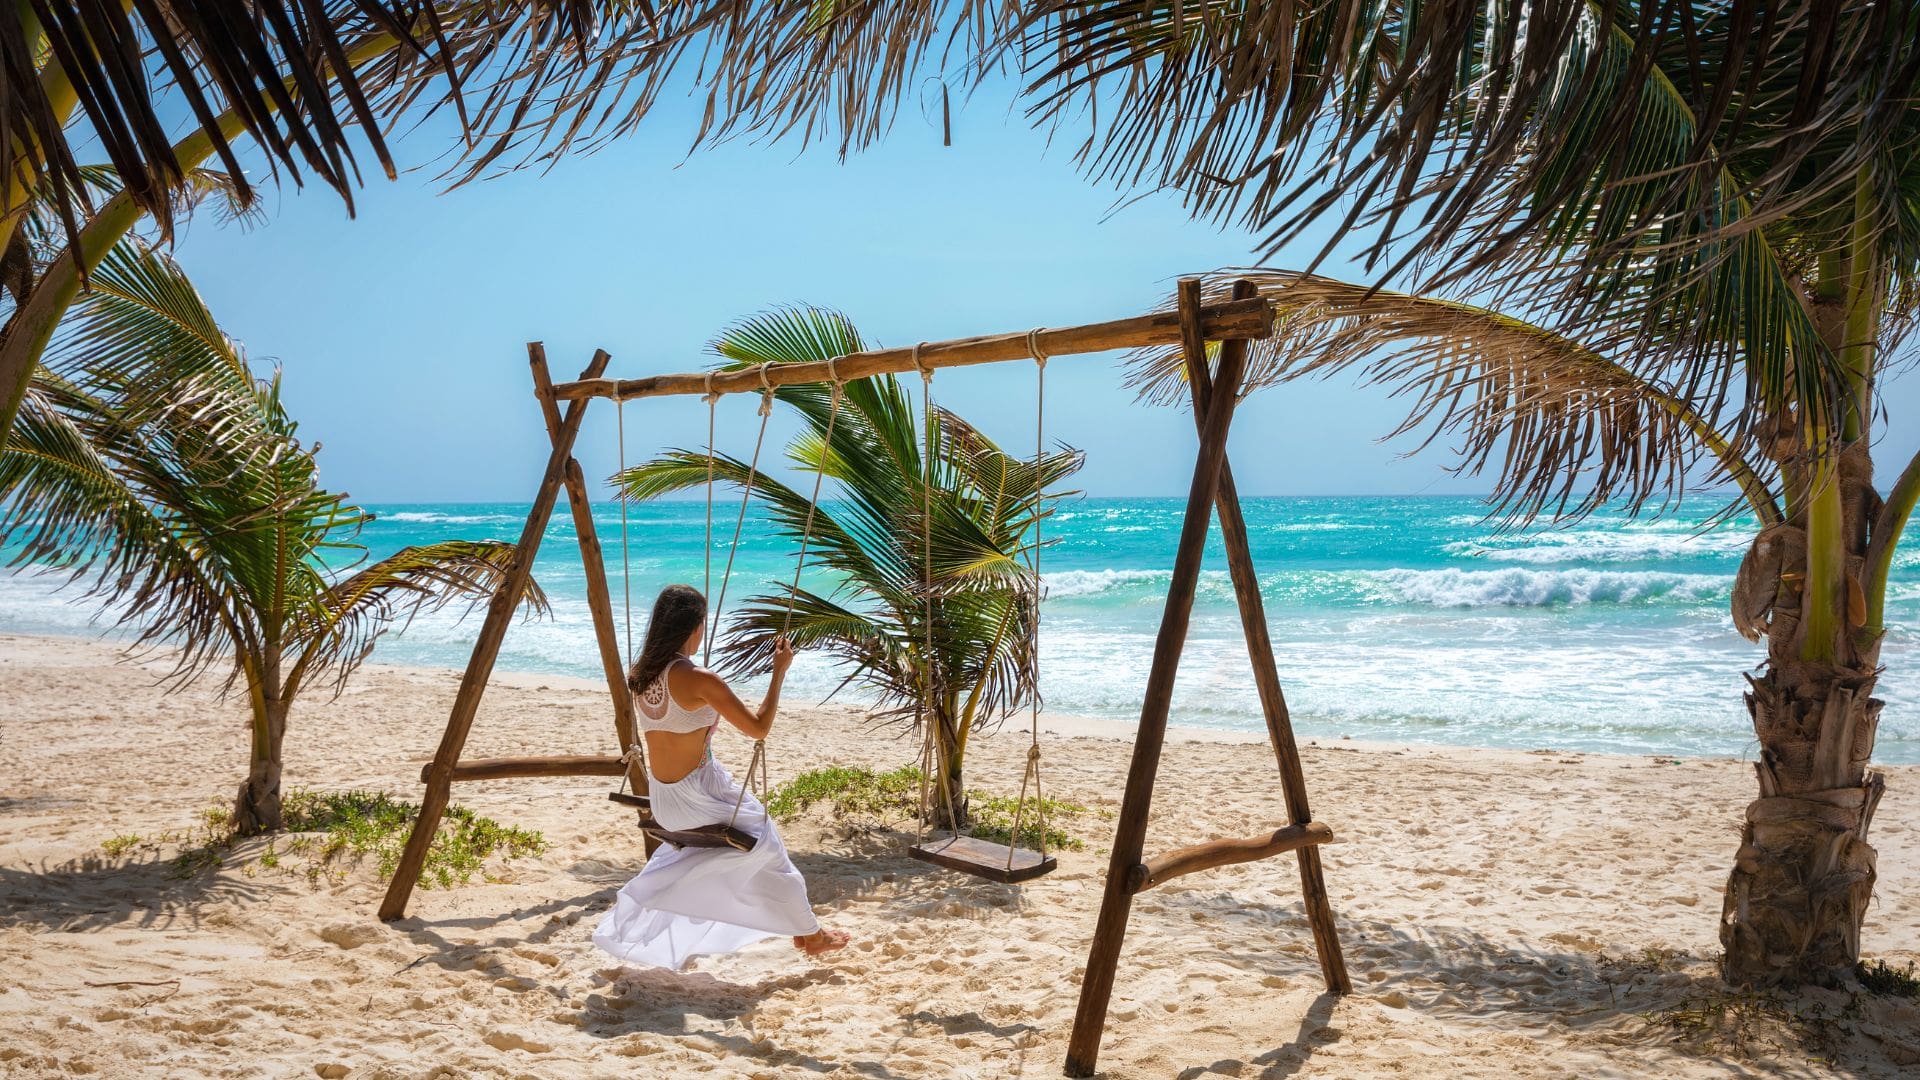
(932, 610)
(152, 468)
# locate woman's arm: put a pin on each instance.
(713, 690)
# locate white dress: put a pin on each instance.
(689, 902)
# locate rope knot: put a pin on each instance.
(766, 390)
(926, 373)
(1034, 348)
(711, 395)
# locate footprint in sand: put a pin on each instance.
(507, 1040)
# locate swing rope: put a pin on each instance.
(713, 401)
(1032, 774)
(746, 494)
(933, 753)
(793, 590)
(626, 566)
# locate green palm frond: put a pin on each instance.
(67, 507)
(1572, 430)
(152, 468)
(907, 559)
(389, 594)
(872, 650)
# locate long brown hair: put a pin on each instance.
(677, 613)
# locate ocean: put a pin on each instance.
(1398, 619)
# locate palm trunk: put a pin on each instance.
(257, 808)
(950, 788)
(1804, 873)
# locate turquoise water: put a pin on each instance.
(1396, 619)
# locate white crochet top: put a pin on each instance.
(660, 712)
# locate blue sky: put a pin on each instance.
(402, 330)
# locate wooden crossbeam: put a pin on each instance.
(507, 768)
(1187, 860)
(1246, 317)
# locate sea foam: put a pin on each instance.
(1516, 587)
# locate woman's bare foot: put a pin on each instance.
(820, 941)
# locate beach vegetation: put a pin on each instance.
(116, 846)
(326, 833)
(164, 480)
(1880, 977)
(895, 796)
(921, 589)
(1755, 1024)
(1661, 323)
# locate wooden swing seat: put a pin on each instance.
(717, 835)
(985, 859)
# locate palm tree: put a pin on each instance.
(930, 611)
(154, 471)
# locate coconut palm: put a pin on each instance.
(929, 611)
(158, 475)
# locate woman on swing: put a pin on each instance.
(689, 902)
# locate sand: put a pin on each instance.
(1504, 914)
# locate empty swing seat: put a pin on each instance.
(717, 835)
(985, 859)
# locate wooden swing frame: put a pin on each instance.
(1215, 394)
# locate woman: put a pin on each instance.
(691, 902)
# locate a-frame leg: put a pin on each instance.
(473, 683)
(1096, 989)
(1266, 677)
(599, 597)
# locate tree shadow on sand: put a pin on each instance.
(97, 893)
(1611, 1006)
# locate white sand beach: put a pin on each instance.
(1543, 914)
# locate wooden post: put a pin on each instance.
(1266, 677)
(1096, 989)
(485, 651)
(599, 597)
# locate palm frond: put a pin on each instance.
(283, 72)
(1574, 430)
(356, 611)
(929, 556)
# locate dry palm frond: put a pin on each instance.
(291, 74)
(1573, 430)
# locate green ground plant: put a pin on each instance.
(894, 797)
(1882, 978)
(333, 831)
